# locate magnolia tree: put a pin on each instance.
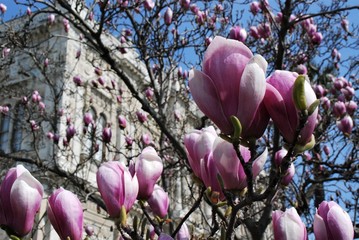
(275, 153)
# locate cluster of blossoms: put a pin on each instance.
(231, 84)
(341, 105)
(119, 186)
(232, 76)
(311, 29)
(210, 155)
(330, 222)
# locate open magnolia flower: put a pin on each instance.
(232, 82)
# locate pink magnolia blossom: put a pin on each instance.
(50, 135)
(345, 125)
(317, 38)
(122, 122)
(325, 103)
(141, 116)
(319, 90)
(279, 17)
(253, 31)
(51, 19)
(89, 230)
(208, 41)
(326, 150)
(88, 118)
(3, 8)
(231, 76)
(77, 80)
(279, 155)
(5, 52)
(230, 167)
(159, 201)
(345, 24)
(301, 69)
(264, 30)
(281, 108)
(65, 214)
(149, 93)
(331, 223)
(146, 139)
(20, 200)
(28, 11)
(339, 109)
(288, 225)
(149, 5)
(199, 143)
(183, 233)
(117, 187)
(254, 7)
(199, 147)
(148, 168)
(185, 4)
(70, 132)
(129, 141)
(106, 135)
(66, 24)
(238, 33)
(168, 16)
(351, 107)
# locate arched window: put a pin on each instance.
(17, 128)
(89, 137)
(100, 125)
(5, 130)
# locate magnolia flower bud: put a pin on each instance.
(129, 141)
(168, 16)
(51, 19)
(345, 24)
(326, 150)
(146, 139)
(185, 4)
(149, 93)
(339, 109)
(106, 135)
(117, 186)
(345, 125)
(149, 5)
(208, 41)
(288, 225)
(351, 107)
(317, 38)
(253, 31)
(331, 222)
(122, 122)
(77, 80)
(89, 230)
(5, 52)
(254, 7)
(159, 201)
(148, 168)
(141, 116)
(70, 132)
(183, 233)
(65, 213)
(301, 69)
(238, 33)
(28, 11)
(20, 200)
(3, 8)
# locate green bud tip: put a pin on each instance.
(237, 127)
(298, 93)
